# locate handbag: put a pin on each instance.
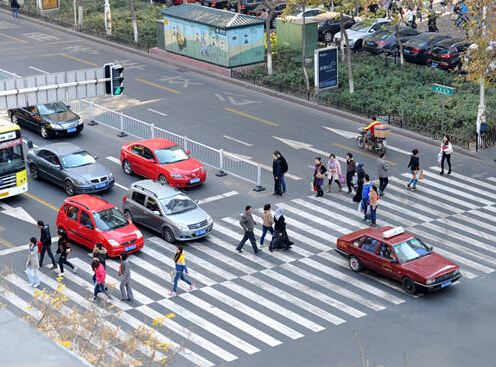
(342, 179)
(120, 269)
(320, 175)
(312, 186)
(173, 275)
(439, 157)
(421, 174)
(360, 209)
(354, 180)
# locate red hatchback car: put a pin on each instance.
(398, 255)
(88, 220)
(163, 160)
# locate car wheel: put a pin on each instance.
(14, 119)
(33, 171)
(355, 264)
(44, 132)
(328, 37)
(128, 215)
(360, 142)
(168, 235)
(126, 166)
(408, 285)
(358, 45)
(163, 179)
(69, 188)
(381, 148)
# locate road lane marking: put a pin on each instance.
(360, 152)
(217, 197)
(41, 201)
(158, 86)
(157, 112)
(13, 38)
(39, 70)
(6, 243)
(237, 140)
(78, 59)
(398, 150)
(121, 186)
(251, 116)
(113, 159)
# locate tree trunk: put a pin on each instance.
(80, 13)
(400, 44)
(303, 51)
(348, 61)
(135, 23)
(269, 45)
(341, 41)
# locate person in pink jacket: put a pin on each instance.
(100, 276)
(334, 171)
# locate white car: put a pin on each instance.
(310, 13)
(360, 30)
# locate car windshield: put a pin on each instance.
(110, 219)
(410, 250)
(383, 35)
(11, 157)
(360, 26)
(171, 155)
(49, 108)
(177, 204)
(77, 160)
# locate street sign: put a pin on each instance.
(442, 89)
(326, 68)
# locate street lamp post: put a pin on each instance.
(481, 116)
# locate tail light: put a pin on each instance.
(429, 53)
(446, 56)
(416, 50)
(124, 199)
(214, 3)
(243, 7)
(381, 43)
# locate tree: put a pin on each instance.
(135, 24)
(272, 9)
(397, 20)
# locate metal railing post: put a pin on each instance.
(221, 164)
(121, 133)
(185, 142)
(92, 122)
(152, 129)
(259, 186)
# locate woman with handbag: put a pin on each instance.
(446, 150)
(63, 250)
(414, 166)
(181, 269)
(318, 176)
(334, 172)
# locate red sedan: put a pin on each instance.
(398, 255)
(163, 160)
(88, 220)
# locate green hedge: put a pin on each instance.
(405, 92)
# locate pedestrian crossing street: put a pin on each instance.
(245, 303)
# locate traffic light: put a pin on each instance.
(114, 86)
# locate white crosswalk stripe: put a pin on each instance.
(477, 182)
(458, 184)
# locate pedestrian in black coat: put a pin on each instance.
(360, 175)
(280, 238)
(46, 240)
(277, 171)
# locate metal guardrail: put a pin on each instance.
(223, 161)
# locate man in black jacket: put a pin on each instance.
(277, 171)
(46, 240)
(285, 167)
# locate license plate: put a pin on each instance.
(4, 194)
(371, 43)
(199, 233)
(407, 51)
(72, 130)
(129, 248)
(100, 185)
(434, 64)
(445, 284)
(194, 180)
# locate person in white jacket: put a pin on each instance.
(334, 172)
(446, 150)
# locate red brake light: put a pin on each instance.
(429, 53)
(242, 6)
(124, 199)
(382, 43)
(416, 50)
(214, 3)
(446, 56)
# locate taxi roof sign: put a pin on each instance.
(393, 232)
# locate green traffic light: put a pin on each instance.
(118, 91)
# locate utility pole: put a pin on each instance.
(107, 18)
(481, 109)
(75, 14)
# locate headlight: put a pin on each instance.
(80, 181)
(138, 234)
(111, 175)
(114, 243)
(430, 281)
(183, 227)
(56, 126)
(176, 175)
(203, 170)
(456, 272)
(209, 218)
(80, 121)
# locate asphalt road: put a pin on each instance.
(295, 318)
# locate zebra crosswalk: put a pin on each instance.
(246, 303)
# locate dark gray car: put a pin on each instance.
(69, 166)
(167, 210)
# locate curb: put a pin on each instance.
(263, 90)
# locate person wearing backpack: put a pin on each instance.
(46, 242)
(15, 9)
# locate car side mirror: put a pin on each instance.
(68, 107)
(95, 157)
(30, 144)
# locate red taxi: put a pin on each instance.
(88, 220)
(163, 160)
(398, 255)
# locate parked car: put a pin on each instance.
(416, 49)
(50, 119)
(163, 160)
(328, 28)
(70, 167)
(88, 220)
(218, 4)
(166, 210)
(360, 30)
(448, 53)
(310, 13)
(386, 41)
(247, 6)
(399, 255)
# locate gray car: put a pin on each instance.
(166, 210)
(69, 166)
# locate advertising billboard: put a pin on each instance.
(326, 68)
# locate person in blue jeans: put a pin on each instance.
(414, 166)
(267, 222)
(284, 170)
(365, 197)
(181, 269)
(15, 9)
(373, 197)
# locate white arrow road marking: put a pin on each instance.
(242, 102)
(221, 98)
(343, 133)
(300, 145)
(157, 112)
(237, 140)
(18, 213)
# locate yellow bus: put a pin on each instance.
(13, 177)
